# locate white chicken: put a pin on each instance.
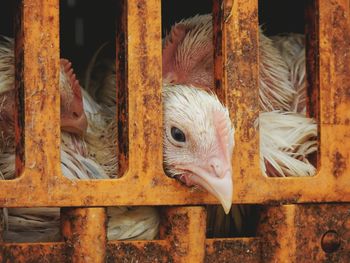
(43, 224)
(286, 136)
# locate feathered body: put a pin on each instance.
(292, 50)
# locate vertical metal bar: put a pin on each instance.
(185, 228)
(242, 83)
(222, 11)
(312, 66)
(37, 127)
(334, 75)
(277, 233)
(219, 48)
(145, 86)
(122, 90)
(334, 48)
(312, 56)
(84, 230)
(19, 87)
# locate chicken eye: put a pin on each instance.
(177, 134)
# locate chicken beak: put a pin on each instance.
(217, 180)
(77, 125)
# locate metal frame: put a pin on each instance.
(40, 182)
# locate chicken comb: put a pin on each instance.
(66, 65)
(73, 118)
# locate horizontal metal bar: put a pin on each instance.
(183, 240)
(217, 250)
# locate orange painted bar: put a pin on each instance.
(84, 230)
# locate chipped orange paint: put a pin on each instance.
(84, 230)
(296, 233)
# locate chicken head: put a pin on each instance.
(198, 141)
(73, 118)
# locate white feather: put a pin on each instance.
(292, 48)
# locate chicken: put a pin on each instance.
(286, 138)
(198, 141)
(43, 224)
(197, 137)
(292, 49)
(188, 166)
(73, 118)
(188, 60)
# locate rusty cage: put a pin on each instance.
(291, 228)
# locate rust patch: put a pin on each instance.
(268, 230)
(232, 251)
(291, 200)
(339, 164)
(33, 253)
(122, 92)
(130, 252)
(155, 182)
(312, 223)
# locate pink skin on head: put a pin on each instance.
(73, 118)
(195, 67)
(188, 59)
(213, 173)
